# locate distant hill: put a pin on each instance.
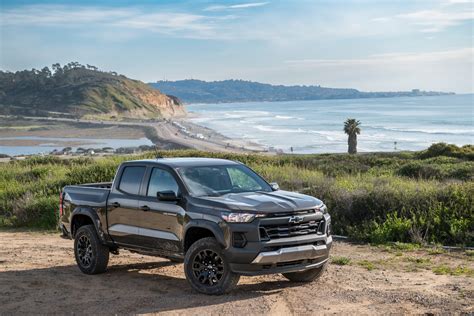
(197, 91)
(80, 91)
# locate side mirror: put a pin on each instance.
(167, 196)
(274, 186)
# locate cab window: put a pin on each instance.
(161, 180)
(131, 179)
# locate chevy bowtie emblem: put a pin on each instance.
(296, 219)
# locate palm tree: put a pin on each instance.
(351, 128)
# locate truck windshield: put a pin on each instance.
(220, 180)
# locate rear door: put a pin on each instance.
(162, 221)
(123, 213)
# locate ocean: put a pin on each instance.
(388, 124)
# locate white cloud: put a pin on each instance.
(432, 21)
(381, 19)
(182, 24)
(456, 2)
(449, 70)
(235, 6)
(463, 54)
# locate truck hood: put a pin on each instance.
(262, 202)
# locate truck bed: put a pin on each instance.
(89, 194)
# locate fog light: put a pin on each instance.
(238, 240)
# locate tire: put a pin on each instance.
(305, 276)
(91, 255)
(214, 277)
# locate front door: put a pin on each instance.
(162, 221)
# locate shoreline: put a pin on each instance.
(173, 133)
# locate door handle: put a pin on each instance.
(145, 208)
(116, 204)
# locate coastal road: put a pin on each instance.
(38, 275)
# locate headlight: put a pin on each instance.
(239, 217)
(322, 208)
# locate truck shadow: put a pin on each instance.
(128, 288)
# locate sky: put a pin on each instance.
(368, 45)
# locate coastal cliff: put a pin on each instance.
(75, 90)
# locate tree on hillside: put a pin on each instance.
(352, 129)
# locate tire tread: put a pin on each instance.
(102, 252)
(230, 279)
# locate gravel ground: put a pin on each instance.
(38, 275)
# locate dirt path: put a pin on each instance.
(38, 275)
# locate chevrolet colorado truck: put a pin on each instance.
(218, 216)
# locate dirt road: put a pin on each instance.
(38, 275)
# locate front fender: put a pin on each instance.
(214, 227)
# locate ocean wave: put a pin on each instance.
(265, 128)
(331, 136)
(284, 117)
(432, 131)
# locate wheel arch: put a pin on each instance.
(86, 216)
(198, 229)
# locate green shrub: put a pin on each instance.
(394, 228)
(102, 171)
(369, 265)
(340, 261)
(449, 150)
(440, 171)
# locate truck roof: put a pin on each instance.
(186, 162)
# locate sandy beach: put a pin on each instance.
(165, 134)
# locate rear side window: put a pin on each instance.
(131, 179)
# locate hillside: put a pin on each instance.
(77, 90)
(197, 91)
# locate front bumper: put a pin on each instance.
(288, 258)
(278, 255)
(291, 254)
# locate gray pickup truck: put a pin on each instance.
(218, 216)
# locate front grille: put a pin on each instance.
(282, 227)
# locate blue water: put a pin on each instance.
(50, 143)
(316, 126)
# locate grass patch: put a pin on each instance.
(457, 271)
(418, 260)
(436, 251)
(340, 261)
(369, 265)
(405, 246)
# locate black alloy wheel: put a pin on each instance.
(84, 251)
(92, 256)
(208, 267)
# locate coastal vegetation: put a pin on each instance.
(198, 91)
(82, 91)
(420, 197)
(352, 129)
